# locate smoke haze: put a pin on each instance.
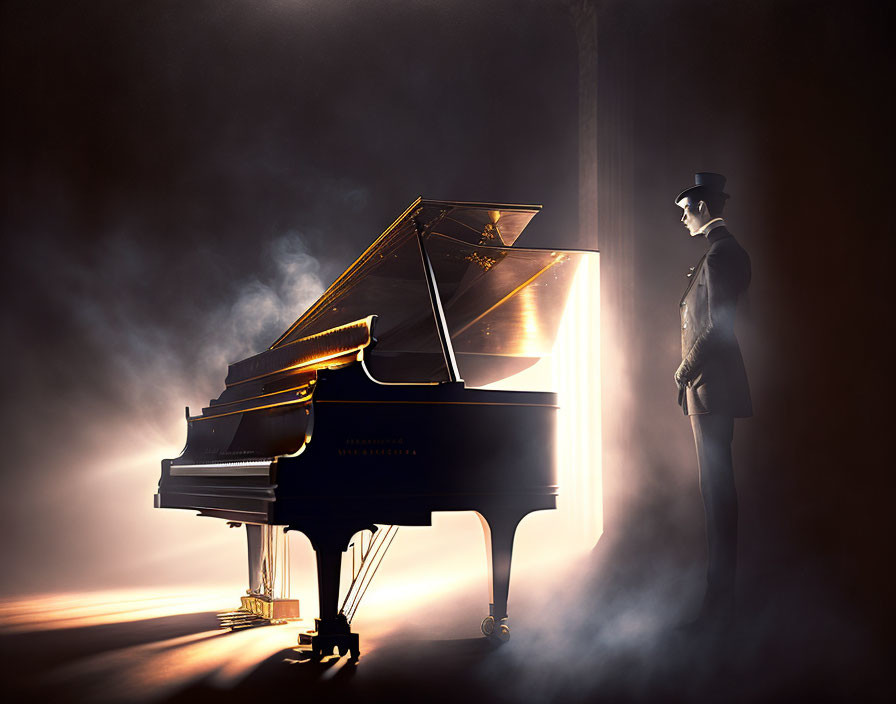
(182, 181)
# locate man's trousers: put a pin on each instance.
(712, 435)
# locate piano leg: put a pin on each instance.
(499, 526)
(332, 630)
(329, 568)
(268, 561)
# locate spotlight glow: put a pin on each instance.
(81, 609)
(425, 565)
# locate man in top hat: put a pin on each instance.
(712, 381)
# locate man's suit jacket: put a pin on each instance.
(711, 359)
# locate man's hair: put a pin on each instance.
(714, 201)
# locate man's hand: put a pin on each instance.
(681, 382)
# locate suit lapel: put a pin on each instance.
(693, 278)
(716, 234)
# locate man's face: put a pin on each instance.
(692, 217)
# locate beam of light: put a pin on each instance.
(576, 370)
(82, 609)
(441, 569)
(155, 668)
(436, 570)
(573, 371)
(151, 671)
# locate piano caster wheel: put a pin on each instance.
(488, 626)
(499, 632)
(503, 631)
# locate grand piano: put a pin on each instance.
(366, 414)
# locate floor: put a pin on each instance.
(590, 642)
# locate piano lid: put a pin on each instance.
(502, 304)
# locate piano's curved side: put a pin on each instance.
(228, 465)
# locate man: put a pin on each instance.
(712, 381)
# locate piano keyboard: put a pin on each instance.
(253, 468)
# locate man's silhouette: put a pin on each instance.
(712, 381)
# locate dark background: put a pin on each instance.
(159, 156)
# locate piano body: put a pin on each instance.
(364, 411)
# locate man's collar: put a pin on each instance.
(711, 225)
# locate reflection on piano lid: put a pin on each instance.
(501, 304)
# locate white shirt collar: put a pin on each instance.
(711, 225)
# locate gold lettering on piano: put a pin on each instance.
(375, 447)
(381, 452)
(374, 441)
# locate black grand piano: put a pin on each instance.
(364, 413)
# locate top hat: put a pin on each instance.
(706, 183)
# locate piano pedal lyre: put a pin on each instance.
(268, 553)
(273, 611)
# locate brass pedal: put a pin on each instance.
(279, 610)
(238, 620)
